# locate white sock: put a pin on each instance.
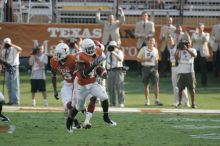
(33, 102)
(45, 102)
(157, 99)
(88, 117)
(147, 100)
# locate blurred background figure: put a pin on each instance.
(111, 27)
(10, 54)
(165, 31)
(215, 36)
(115, 80)
(172, 47)
(143, 30)
(185, 56)
(200, 41)
(75, 45)
(148, 57)
(38, 61)
(178, 34)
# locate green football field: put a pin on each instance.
(134, 129)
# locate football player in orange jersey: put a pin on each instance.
(87, 61)
(65, 64)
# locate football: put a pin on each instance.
(101, 71)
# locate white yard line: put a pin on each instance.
(113, 109)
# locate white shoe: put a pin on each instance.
(109, 121)
(147, 103)
(113, 123)
(122, 105)
(76, 124)
(4, 118)
(87, 125)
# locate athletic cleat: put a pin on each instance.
(4, 118)
(87, 125)
(76, 124)
(193, 106)
(109, 121)
(69, 124)
(157, 103)
(179, 105)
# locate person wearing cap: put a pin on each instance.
(200, 40)
(111, 27)
(38, 61)
(115, 80)
(148, 57)
(10, 53)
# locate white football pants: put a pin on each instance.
(81, 92)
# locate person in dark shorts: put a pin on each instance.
(186, 75)
(38, 61)
(148, 57)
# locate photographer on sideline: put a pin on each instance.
(185, 56)
(10, 54)
(38, 60)
(172, 47)
(115, 80)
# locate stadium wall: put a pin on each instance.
(28, 36)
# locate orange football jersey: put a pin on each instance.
(87, 60)
(67, 70)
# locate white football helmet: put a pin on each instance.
(88, 46)
(61, 51)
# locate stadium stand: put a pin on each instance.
(83, 11)
(76, 11)
(38, 8)
(1, 10)
(18, 10)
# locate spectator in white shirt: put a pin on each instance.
(10, 54)
(38, 61)
(185, 56)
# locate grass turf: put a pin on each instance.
(206, 97)
(139, 129)
(134, 129)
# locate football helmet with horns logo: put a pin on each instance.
(88, 46)
(61, 51)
